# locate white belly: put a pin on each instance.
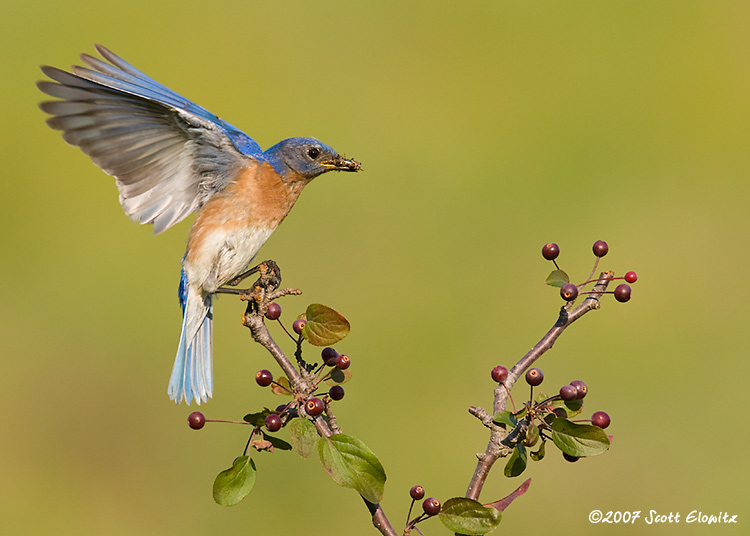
(223, 256)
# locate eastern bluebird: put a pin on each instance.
(171, 157)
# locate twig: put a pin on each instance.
(495, 448)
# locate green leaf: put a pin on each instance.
(506, 418)
(235, 483)
(303, 436)
(467, 516)
(539, 453)
(259, 418)
(324, 325)
(353, 465)
(516, 463)
(277, 442)
(503, 503)
(570, 408)
(557, 278)
(339, 376)
(573, 407)
(532, 435)
(282, 386)
(579, 439)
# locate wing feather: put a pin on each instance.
(168, 154)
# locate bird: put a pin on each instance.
(171, 157)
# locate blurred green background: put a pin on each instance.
(485, 130)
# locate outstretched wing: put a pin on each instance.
(168, 154)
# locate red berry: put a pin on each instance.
(329, 356)
(196, 420)
(622, 293)
(314, 406)
(581, 388)
(343, 361)
(600, 248)
(336, 392)
(499, 374)
(550, 251)
(416, 492)
(431, 506)
(534, 376)
(298, 324)
(273, 311)
(631, 277)
(273, 423)
(568, 392)
(263, 377)
(600, 419)
(569, 292)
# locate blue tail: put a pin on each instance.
(192, 374)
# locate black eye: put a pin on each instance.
(313, 152)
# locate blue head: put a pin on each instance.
(306, 158)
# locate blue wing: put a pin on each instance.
(168, 154)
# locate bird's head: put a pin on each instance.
(306, 158)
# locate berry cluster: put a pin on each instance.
(536, 420)
(430, 507)
(273, 312)
(570, 291)
(310, 403)
(313, 405)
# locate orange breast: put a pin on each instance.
(258, 198)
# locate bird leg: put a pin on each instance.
(270, 279)
(244, 275)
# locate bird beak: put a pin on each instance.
(340, 163)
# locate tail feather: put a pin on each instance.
(192, 374)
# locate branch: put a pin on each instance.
(262, 292)
(495, 448)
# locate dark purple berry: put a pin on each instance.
(416, 492)
(631, 277)
(568, 392)
(298, 324)
(580, 388)
(550, 251)
(196, 420)
(281, 408)
(343, 361)
(329, 356)
(534, 376)
(314, 406)
(600, 419)
(273, 311)
(622, 293)
(600, 248)
(263, 377)
(431, 506)
(336, 392)
(499, 374)
(569, 292)
(570, 458)
(560, 412)
(273, 423)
